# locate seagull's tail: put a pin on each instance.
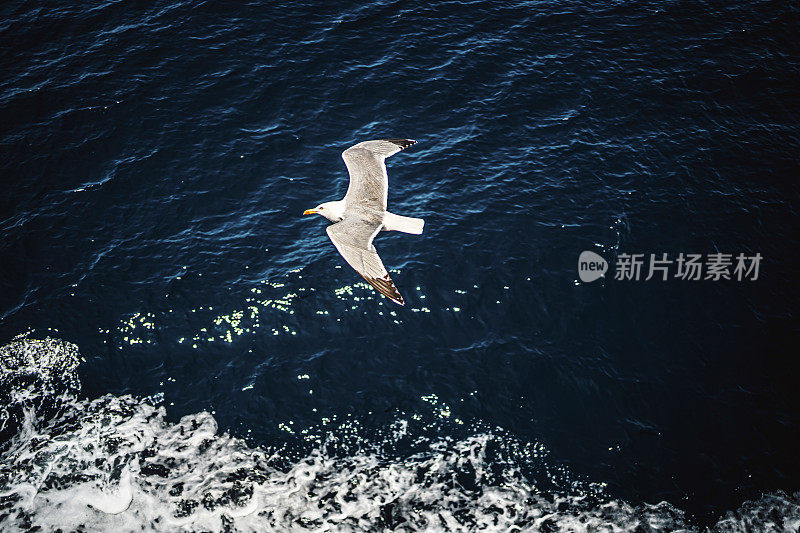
(392, 222)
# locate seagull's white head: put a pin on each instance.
(333, 211)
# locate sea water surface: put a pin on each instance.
(182, 349)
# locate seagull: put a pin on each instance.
(362, 213)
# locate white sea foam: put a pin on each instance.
(115, 464)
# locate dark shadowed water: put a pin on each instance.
(232, 371)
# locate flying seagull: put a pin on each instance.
(362, 213)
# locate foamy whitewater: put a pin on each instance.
(115, 464)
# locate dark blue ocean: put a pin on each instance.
(183, 350)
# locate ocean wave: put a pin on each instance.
(116, 463)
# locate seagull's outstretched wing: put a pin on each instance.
(353, 239)
(369, 184)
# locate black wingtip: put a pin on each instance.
(386, 287)
(402, 143)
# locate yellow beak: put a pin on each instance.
(310, 212)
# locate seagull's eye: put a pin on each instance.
(321, 208)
